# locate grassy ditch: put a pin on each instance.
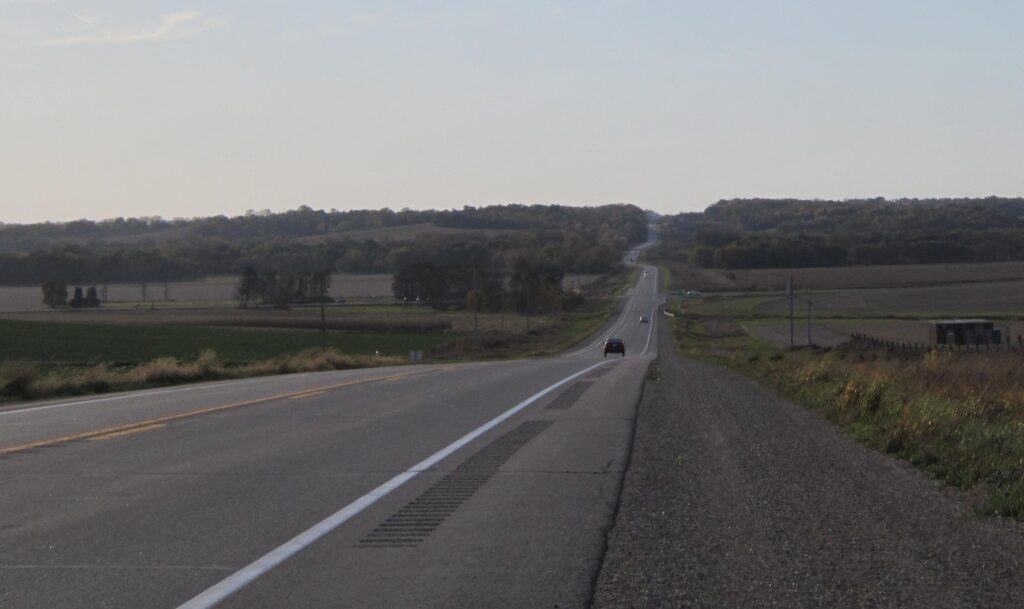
(53, 359)
(22, 381)
(959, 417)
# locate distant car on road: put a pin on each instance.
(644, 320)
(695, 294)
(614, 345)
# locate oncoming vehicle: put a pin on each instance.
(644, 320)
(614, 345)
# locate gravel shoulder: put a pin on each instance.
(737, 498)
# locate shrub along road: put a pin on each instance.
(737, 498)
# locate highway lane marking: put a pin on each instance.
(653, 319)
(153, 392)
(86, 435)
(626, 314)
(220, 591)
(308, 394)
(142, 394)
(118, 434)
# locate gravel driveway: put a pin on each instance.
(736, 498)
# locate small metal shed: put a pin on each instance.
(964, 332)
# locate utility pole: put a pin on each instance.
(789, 292)
(809, 322)
(476, 304)
(323, 324)
(527, 307)
(322, 292)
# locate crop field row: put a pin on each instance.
(50, 342)
(383, 318)
(217, 290)
(891, 314)
(957, 300)
(393, 318)
(211, 289)
(688, 276)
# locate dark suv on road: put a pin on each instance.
(614, 345)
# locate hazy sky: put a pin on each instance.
(112, 108)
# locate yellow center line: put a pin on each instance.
(131, 427)
(118, 434)
(307, 394)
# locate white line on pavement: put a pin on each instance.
(651, 318)
(627, 314)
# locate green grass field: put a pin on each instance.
(46, 342)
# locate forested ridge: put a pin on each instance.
(301, 222)
(779, 233)
(575, 239)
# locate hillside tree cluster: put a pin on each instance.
(781, 233)
(304, 241)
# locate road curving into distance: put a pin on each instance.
(480, 484)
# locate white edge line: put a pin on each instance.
(614, 329)
(225, 588)
(654, 320)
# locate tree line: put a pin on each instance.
(576, 239)
(779, 233)
(483, 279)
(436, 271)
(284, 287)
(301, 222)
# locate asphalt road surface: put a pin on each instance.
(472, 485)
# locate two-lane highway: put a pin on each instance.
(417, 486)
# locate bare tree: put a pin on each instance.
(248, 287)
(55, 293)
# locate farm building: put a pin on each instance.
(965, 332)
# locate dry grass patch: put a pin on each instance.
(31, 382)
(957, 416)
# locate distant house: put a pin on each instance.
(965, 332)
